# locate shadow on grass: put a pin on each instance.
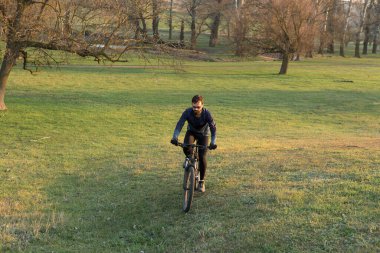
(113, 203)
(110, 207)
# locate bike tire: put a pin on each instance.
(188, 188)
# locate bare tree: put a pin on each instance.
(139, 11)
(369, 23)
(156, 9)
(170, 20)
(182, 33)
(288, 27)
(216, 9)
(98, 28)
(242, 23)
(345, 13)
(362, 6)
(198, 16)
(375, 40)
(331, 25)
(324, 35)
(376, 28)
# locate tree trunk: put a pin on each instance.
(239, 37)
(331, 27)
(363, 14)
(9, 61)
(376, 29)
(366, 40)
(155, 21)
(330, 47)
(144, 30)
(11, 53)
(322, 35)
(228, 29)
(171, 20)
(193, 38)
(137, 28)
(321, 46)
(239, 49)
(309, 54)
(66, 29)
(374, 44)
(182, 33)
(215, 30)
(366, 28)
(284, 64)
(357, 45)
(345, 29)
(341, 48)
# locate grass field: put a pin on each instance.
(86, 164)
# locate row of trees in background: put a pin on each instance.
(288, 27)
(107, 29)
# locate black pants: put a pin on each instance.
(190, 138)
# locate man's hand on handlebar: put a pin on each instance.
(174, 141)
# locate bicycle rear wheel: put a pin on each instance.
(188, 188)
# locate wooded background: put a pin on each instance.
(107, 30)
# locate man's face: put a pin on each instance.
(197, 107)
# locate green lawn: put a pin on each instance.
(83, 166)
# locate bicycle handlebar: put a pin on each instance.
(191, 145)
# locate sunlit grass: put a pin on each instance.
(86, 164)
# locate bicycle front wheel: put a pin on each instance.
(188, 188)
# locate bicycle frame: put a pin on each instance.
(194, 159)
(195, 147)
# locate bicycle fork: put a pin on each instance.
(192, 162)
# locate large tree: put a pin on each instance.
(288, 27)
(198, 16)
(97, 28)
(345, 13)
(243, 21)
(362, 6)
(331, 25)
(216, 9)
(376, 27)
(369, 23)
(170, 20)
(156, 11)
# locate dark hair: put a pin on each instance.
(196, 99)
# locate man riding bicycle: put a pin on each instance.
(200, 125)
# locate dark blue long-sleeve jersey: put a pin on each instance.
(202, 125)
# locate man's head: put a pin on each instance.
(197, 102)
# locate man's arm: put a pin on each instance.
(179, 125)
(212, 126)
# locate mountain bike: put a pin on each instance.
(191, 175)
